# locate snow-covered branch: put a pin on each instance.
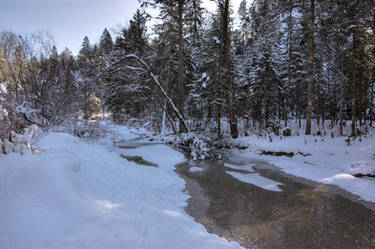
(147, 71)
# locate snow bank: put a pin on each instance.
(80, 195)
(329, 160)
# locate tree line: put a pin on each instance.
(284, 61)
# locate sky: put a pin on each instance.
(69, 21)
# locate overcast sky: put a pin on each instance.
(69, 21)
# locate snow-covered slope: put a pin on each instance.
(81, 195)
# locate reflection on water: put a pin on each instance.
(299, 216)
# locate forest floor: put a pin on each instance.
(322, 159)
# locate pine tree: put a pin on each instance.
(106, 42)
(244, 21)
(134, 38)
(88, 84)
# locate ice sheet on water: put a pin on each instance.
(257, 180)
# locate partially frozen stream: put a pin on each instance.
(275, 211)
(262, 207)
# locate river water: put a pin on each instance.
(302, 215)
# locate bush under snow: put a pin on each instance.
(20, 143)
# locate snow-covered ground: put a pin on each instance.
(81, 194)
(77, 194)
(326, 160)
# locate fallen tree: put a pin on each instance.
(144, 68)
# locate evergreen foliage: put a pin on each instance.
(268, 65)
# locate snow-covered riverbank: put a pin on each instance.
(78, 194)
(322, 159)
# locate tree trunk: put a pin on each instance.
(289, 70)
(181, 97)
(102, 106)
(218, 120)
(266, 114)
(311, 70)
(209, 113)
(354, 83)
(232, 119)
(372, 114)
(166, 115)
(299, 112)
(279, 112)
(373, 75)
(163, 122)
(341, 110)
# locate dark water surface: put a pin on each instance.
(303, 215)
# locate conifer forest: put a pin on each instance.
(253, 70)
